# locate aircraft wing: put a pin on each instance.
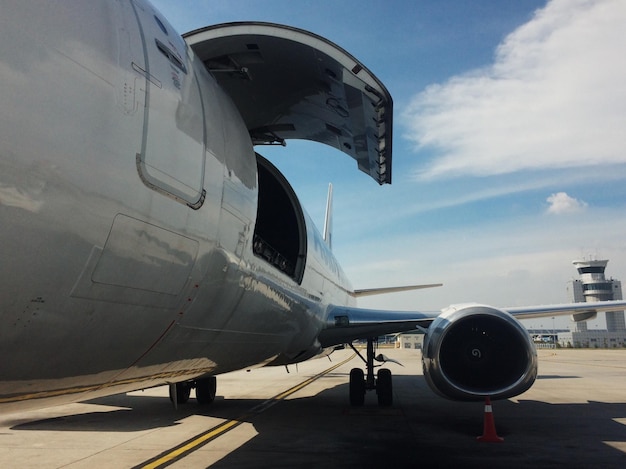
(290, 83)
(385, 290)
(530, 312)
(345, 324)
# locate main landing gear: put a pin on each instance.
(205, 391)
(360, 383)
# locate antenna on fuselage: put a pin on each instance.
(328, 219)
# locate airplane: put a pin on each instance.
(145, 242)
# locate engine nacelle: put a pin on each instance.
(474, 351)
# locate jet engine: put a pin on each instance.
(474, 351)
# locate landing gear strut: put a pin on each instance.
(360, 383)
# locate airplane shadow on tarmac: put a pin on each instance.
(424, 430)
(420, 429)
(135, 413)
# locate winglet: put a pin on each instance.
(328, 219)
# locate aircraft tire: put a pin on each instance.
(357, 387)
(205, 390)
(384, 388)
(183, 391)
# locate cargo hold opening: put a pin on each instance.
(280, 231)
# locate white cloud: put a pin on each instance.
(563, 203)
(522, 262)
(553, 98)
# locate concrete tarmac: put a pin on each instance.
(574, 416)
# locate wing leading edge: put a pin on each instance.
(345, 324)
(530, 312)
(385, 290)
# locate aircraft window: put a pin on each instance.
(161, 25)
(171, 56)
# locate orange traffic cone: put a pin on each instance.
(489, 427)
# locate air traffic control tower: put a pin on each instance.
(594, 286)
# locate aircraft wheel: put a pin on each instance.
(357, 387)
(384, 388)
(205, 390)
(183, 391)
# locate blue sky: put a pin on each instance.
(509, 143)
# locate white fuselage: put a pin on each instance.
(128, 199)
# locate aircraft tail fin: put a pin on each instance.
(328, 219)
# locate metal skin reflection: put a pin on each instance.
(144, 242)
